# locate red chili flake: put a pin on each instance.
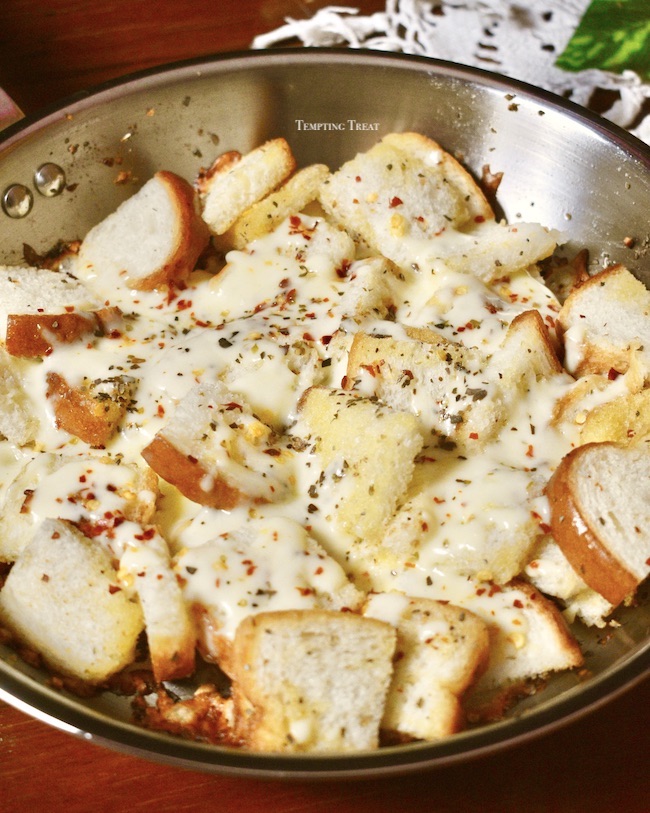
(272, 452)
(308, 337)
(373, 369)
(530, 450)
(325, 340)
(613, 374)
(494, 588)
(394, 202)
(183, 304)
(358, 178)
(305, 591)
(439, 500)
(284, 283)
(479, 219)
(160, 411)
(113, 588)
(480, 591)
(231, 405)
(295, 221)
(518, 604)
(473, 435)
(318, 571)
(192, 459)
(344, 269)
(146, 535)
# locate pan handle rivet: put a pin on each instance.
(49, 179)
(17, 200)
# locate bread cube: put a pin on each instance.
(312, 681)
(62, 598)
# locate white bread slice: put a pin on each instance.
(28, 289)
(529, 638)
(18, 421)
(405, 185)
(216, 452)
(235, 182)
(549, 570)
(32, 335)
(62, 599)
(296, 193)
(441, 650)
(153, 238)
(92, 411)
(412, 202)
(605, 323)
(312, 681)
(145, 567)
(600, 515)
(268, 565)
(94, 493)
(366, 452)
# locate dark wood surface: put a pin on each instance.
(598, 764)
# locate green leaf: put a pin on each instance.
(613, 35)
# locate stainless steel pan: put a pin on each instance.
(62, 172)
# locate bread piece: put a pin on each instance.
(405, 183)
(62, 598)
(409, 200)
(31, 335)
(465, 515)
(145, 567)
(267, 565)
(625, 419)
(297, 192)
(28, 289)
(18, 422)
(527, 354)
(370, 290)
(549, 571)
(94, 493)
(367, 454)
(599, 497)
(153, 238)
(605, 323)
(218, 453)
(312, 681)
(529, 638)
(439, 381)
(92, 411)
(235, 182)
(441, 649)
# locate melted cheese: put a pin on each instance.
(273, 322)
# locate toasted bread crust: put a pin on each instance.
(31, 335)
(93, 420)
(189, 476)
(579, 541)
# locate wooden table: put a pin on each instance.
(49, 49)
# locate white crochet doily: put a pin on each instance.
(517, 39)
